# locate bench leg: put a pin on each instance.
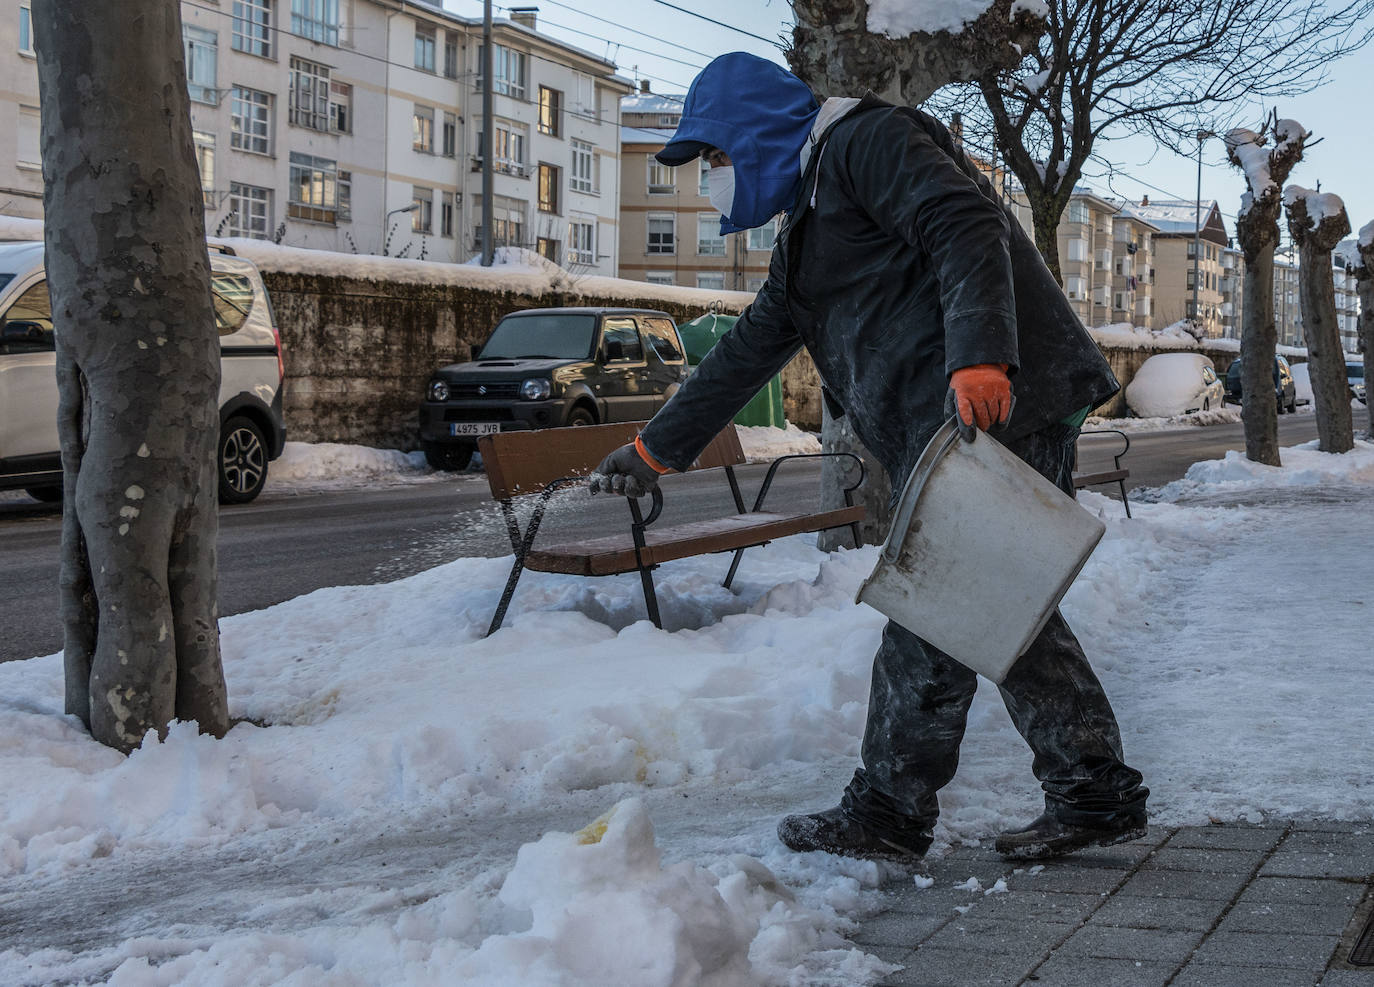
(650, 597)
(1122, 484)
(734, 567)
(506, 595)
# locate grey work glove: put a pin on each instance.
(624, 472)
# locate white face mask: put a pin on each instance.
(720, 186)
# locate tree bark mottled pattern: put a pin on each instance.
(1317, 295)
(138, 369)
(1364, 280)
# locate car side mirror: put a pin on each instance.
(615, 350)
(474, 350)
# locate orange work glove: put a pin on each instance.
(982, 394)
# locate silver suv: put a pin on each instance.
(250, 395)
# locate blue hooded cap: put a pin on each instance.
(760, 115)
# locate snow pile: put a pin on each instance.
(1367, 234)
(1320, 205)
(326, 465)
(1169, 384)
(900, 18)
(762, 443)
(1303, 466)
(1230, 415)
(1035, 82)
(1248, 151)
(1035, 8)
(1124, 335)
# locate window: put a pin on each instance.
(28, 154)
(663, 339)
(710, 241)
(762, 237)
(1104, 259)
(250, 210)
(584, 176)
(703, 186)
(549, 180)
(662, 179)
(232, 298)
(450, 54)
(582, 242)
(1075, 287)
(201, 51)
(25, 31)
(425, 47)
(313, 192)
(550, 111)
(547, 248)
(507, 69)
(659, 277)
(340, 107)
(1189, 281)
(586, 97)
(716, 282)
(422, 129)
(205, 159)
(510, 148)
(450, 140)
(621, 340)
(1078, 212)
(317, 20)
(422, 219)
(755, 284)
(1192, 249)
(252, 27)
(309, 93)
(344, 208)
(250, 120)
(446, 214)
(661, 233)
(1078, 249)
(507, 221)
(28, 322)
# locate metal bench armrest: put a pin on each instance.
(772, 470)
(1125, 441)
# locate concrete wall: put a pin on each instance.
(359, 352)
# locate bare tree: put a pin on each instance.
(1317, 221)
(836, 54)
(1169, 69)
(1266, 168)
(137, 367)
(1364, 279)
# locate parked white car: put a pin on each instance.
(250, 398)
(1169, 384)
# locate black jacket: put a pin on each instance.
(896, 267)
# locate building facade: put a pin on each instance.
(1232, 292)
(669, 231)
(356, 125)
(1132, 284)
(1177, 222)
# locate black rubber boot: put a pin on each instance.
(1049, 836)
(834, 831)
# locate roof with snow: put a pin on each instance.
(645, 135)
(1178, 217)
(651, 103)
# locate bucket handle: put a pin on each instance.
(940, 443)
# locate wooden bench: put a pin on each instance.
(542, 461)
(1118, 475)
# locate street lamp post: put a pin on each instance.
(1202, 135)
(386, 224)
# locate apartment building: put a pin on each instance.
(670, 233)
(1232, 292)
(356, 125)
(1177, 221)
(1132, 284)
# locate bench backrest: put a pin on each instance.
(527, 461)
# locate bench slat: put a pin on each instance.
(616, 553)
(1092, 479)
(525, 462)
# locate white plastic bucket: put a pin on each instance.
(982, 549)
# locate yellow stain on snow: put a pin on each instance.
(594, 830)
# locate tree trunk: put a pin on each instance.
(1317, 294)
(1045, 222)
(137, 367)
(1364, 276)
(835, 54)
(837, 474)
(1258, 347)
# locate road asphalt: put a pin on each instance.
(1283, 904)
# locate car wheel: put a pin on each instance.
(242, 461)
(1293, 405)
(48, 495)
(580, 416)
(448, 458)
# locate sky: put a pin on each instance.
(650, 39)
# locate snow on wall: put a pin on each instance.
(900, 18)
(1123, 335)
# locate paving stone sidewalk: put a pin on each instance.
(1278, 905)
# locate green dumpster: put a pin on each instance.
(699, 335)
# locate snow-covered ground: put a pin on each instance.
(414, 804)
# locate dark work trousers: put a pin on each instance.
(920, 698)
